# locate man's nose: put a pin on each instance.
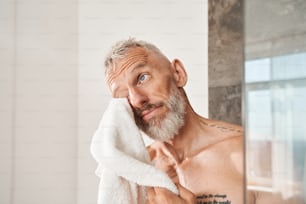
(137, 97)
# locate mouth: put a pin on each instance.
(147, 114)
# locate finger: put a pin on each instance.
(171, 173)
(187, 195)
(150, 195)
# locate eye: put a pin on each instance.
(142, 78)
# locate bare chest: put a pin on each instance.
(212, 177)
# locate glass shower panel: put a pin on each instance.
(289, 66)
(275, 127)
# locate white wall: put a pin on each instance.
(52, 85)
(38, 98)
(7, 61)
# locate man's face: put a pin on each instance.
(146, 79)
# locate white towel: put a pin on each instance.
(123, 162)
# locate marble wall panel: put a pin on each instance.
(225, 59)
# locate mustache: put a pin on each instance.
(148, 106)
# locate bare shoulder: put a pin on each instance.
(224, 129)
(232, 135)
(224, 126)
(228, 141)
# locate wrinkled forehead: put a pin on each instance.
(133, 57)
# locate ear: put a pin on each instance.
(179, 73)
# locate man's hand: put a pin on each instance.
(162, 196)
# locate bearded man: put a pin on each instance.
(202, 156)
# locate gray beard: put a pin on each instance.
(163, 129)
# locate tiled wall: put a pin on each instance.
(52, 85)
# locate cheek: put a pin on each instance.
(162, 90)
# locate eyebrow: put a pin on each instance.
(134, 69)
(140, 65)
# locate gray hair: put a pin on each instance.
(120, 49)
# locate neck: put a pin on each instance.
(188, 142)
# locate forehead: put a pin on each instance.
(134, 58)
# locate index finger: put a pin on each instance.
(186, 194)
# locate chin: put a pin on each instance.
(165, 129)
